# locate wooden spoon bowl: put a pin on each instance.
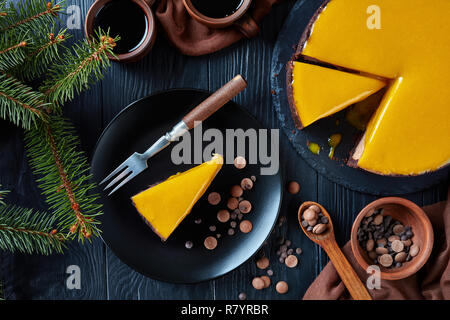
(409, 214)
(328, 242)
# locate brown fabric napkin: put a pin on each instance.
(193, 38)
(432, 282)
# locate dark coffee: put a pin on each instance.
(217, 8)
(126, 19)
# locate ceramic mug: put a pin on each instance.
(240, 18)
(150, 36)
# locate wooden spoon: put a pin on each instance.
(328, 242)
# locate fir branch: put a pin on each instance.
(43, 51)
(30, 232)
(63, 176)
(30, 15)
(19, 103)
(12, 51)
(78, 69)
(3, 193)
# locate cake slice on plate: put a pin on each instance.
(166, 204)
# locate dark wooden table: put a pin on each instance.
(103, 275)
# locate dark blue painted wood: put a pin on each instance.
(104, 276)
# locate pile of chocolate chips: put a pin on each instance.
(386, 240)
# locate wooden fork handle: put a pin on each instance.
(215, 101)
(348, 275)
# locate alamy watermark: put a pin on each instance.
(258, 146)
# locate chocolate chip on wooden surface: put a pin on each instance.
(245, 226)
(262, 263)
(223, 216)
(236, 191)
(242, 296)
(246, 184)
(210, 243)
(214, 198)
(266, 280)
(258, 283)
(245, 206)
(282, 287)
(293, 187)
(291, 261)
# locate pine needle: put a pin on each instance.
(63, 176)
(19, 103)
(27, 231)
(78, 68)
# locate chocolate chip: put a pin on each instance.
(232, 203)
(253, 178)
(230, 232)
(258, 283)
(198, 221)
(262, 263)
(240, 162)
(210, 243)
(223, 216)
(293, 187)
(245, 206)
(270, 272)
(246, 184)
(233, 224)
(236, 191)
(291, 261)
(288, 242)
(266, 280)
(298, 251)
(214, 198)
(282, 287)
(324, 220)
(290, 251)
(245, 226)
(242, 296)
(189, 244)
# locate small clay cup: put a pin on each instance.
(409, 214)
(149, 39)
(241, 18)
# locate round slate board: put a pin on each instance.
(125, 232)
(335, 170)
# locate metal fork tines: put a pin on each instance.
(129, 169)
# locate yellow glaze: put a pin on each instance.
(410, 131)
(319, 92)
(165, 205)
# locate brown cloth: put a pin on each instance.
(432, 282)
(193, 38)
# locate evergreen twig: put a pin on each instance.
(12, 51)
(78, 69)
(30, 232)
(63, 175)
(30, 15)
(19, 103)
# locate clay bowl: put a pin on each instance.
(409, 214)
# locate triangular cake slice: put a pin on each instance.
(318, 92)
(166, 204)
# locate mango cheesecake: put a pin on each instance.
(165, 205)
(409, 54)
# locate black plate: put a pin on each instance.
(334, 170)
(124, 231)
